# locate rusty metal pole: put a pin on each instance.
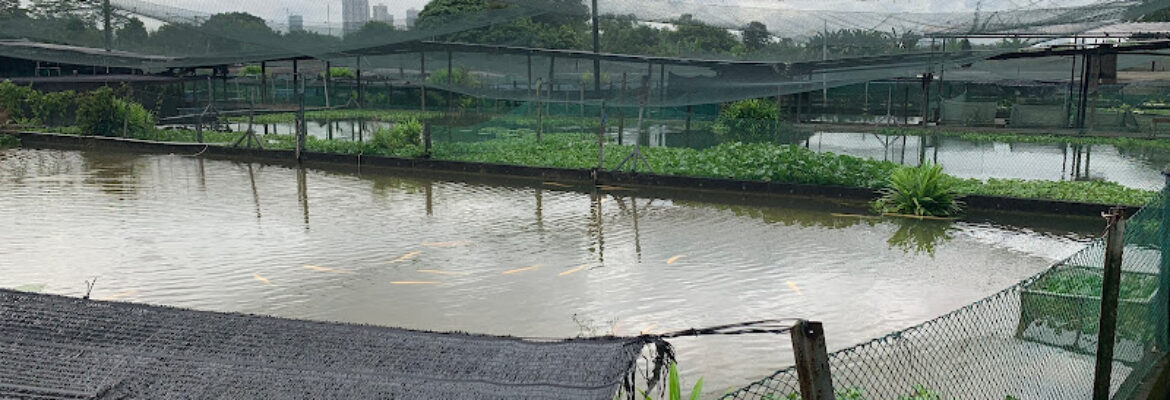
(1110, 291)
(812, 361)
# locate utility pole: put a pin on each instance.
(106, 11)
(596, 54)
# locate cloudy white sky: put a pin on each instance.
(317, 11)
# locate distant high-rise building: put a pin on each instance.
(382, 14)
(296, 23)
(354, 15)
(411, 17)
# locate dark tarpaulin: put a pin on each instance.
(61, 347)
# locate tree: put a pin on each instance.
(373, 31)
(132, 34)
(9, 7)
(691, 35)
(235, 31)
(562, 29)
(756, 36)
(1162, 15)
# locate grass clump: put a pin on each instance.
(1099, 192)
(1087, 282)
(751, 120)
(404, 135)
(923, 190)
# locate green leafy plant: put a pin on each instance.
(339, 72)
(920, 392)
(674, 387)
(250, 70)
(404, 134)
(751, 120)
(921, 191)
(102, 113)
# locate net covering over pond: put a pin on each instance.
(61, 348)
(1034, 340)
(656, 53)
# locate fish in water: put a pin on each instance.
(457, 243)
(414, 283)
(262, 279)
(574, 270)
(792, 286)
(675, 258)
(558, 184)
(528, 268)
(406, 257)
(323, 269)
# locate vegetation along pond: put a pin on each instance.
(1131, 163)
(529, 259)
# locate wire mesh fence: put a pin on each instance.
(1034, 340)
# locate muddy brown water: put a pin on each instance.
(532, 259)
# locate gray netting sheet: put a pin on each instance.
(1034, 340)
(59, 347)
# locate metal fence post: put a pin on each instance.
(1110, 291)
(1162, 306)
(812, 361)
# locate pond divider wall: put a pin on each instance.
(976, 202)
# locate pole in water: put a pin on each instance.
(600, 141)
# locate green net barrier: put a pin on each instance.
(1034, 340)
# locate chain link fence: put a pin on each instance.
(1034, 340)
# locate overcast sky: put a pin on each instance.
(315, 12)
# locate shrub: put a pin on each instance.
(922, 190)
(101, 113)
(459, 77)
(338, 72)
(14, 101)
(752, 120)
(250, 70)
(405, 134)
(53, 109)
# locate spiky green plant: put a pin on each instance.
(923, 190)
(674, 387)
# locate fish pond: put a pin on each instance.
(524, 258)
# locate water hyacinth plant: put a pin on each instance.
(922, 191)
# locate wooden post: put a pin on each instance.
(263, 81)
(450, 82)
(600, 142)
(361, 92)
(1110, 291)
(799, 104)
(328, 80)
(622, 111)
(422, 81)
(551, 72)
(427, 139)
(661, 83)
(296, 77)
(812, 361)
(539, 112)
